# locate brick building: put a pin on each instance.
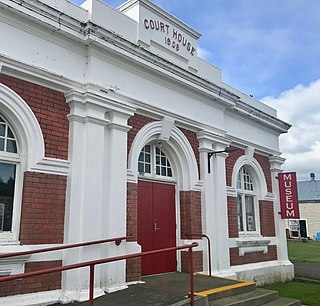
(109, 124)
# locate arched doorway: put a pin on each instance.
(156, 210)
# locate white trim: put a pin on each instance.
(178, 150)
(265, 272)
(40, 298)
(256, 173)
(25, 124)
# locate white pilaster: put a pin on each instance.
(214, 200)
(115, 197)
(96, 194)
(282, 251)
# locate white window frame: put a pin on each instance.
(11, 237)
(242, 193)
(153, 165)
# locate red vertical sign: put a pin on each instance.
(288, 195)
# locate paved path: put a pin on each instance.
(307, 270)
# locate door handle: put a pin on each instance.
(155, 228)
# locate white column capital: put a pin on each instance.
(209, 141)
(276, 162)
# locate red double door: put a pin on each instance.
(157, 226)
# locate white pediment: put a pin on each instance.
(162, 33)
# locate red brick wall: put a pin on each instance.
(133, 269)
(267, 219)
(235, 259)
(265, 165)
(190, 214)
(39, 283)
(232, 217)
(43, 208)
(230, 162)
(132, 210)
(50, 109)
(197, 261)
(136, 122)
(193, 140)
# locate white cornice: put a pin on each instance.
(89, 33)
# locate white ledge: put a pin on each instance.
(252, 245)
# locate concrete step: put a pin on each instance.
(223, 292)
(253, 298)
(282, 301)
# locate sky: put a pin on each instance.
(269, 49)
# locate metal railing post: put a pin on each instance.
(191, 277)
(91, 286)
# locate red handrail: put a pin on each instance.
(92, 263)
(63, 247)
(208, 245)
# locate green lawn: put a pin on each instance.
(308, 294)
(304, 252)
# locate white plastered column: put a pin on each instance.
(96, 192)
(287, 272)
(214, 200)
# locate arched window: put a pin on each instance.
(154, 162)
(9, 162)
(247, 203)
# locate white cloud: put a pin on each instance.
(205, 54)
(301, 146)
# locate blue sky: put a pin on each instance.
(270, 49)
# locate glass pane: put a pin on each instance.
(147, 168)
(147, 148)
(140, 168)
(163, 171)
(7, 182)
(1, 144)
(240, 217)
(250, 218)
(158, 170)
(141, 157)
(11, 146)
(158, 151)
(2, 130)
(169, 172)
(147, 158)
(157, 160)
(10, 134)
(1, 120)
(163, 161)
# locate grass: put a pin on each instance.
(308, 294)
(304, 252)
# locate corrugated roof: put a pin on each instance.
(309, 190)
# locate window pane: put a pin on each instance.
(169, 172)
(1, 120)
(2, 130)
(7, 182)
(163, 172)
(147, 148)
(140, 168)
(147, 158)
(250, 218)
(10, 134)
(1, 144)
(158, 170)
(240, 217)
(147, 168)
(11, 146)
(141, 157)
